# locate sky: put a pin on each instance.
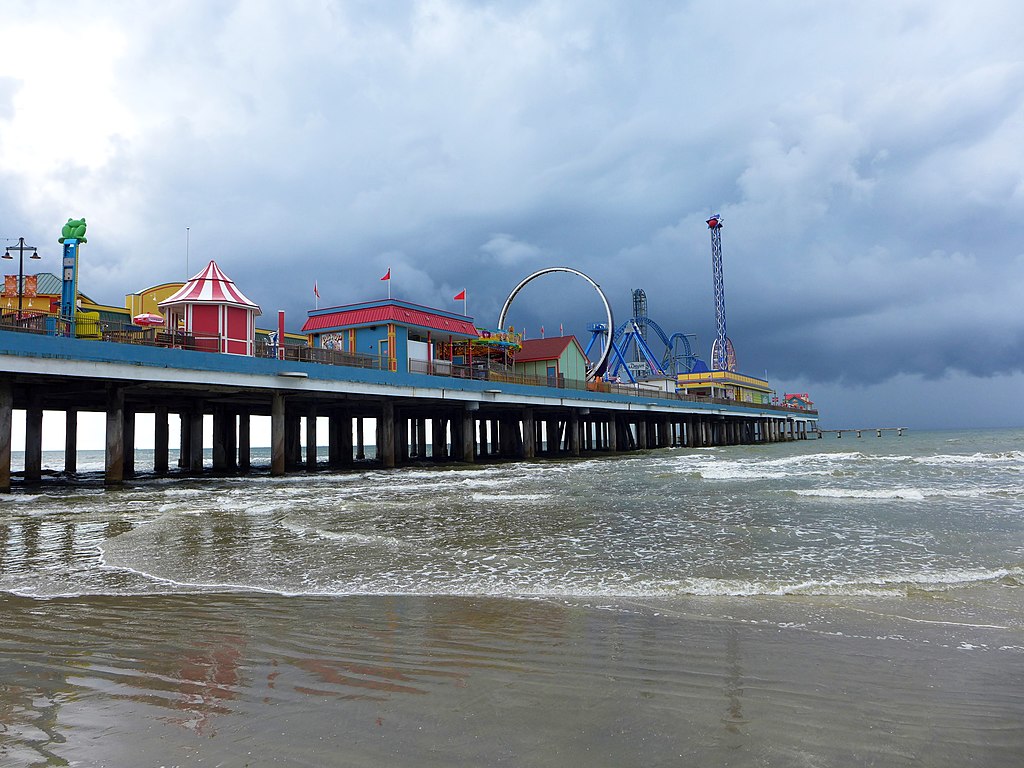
(865, 156)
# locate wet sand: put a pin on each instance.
(264, 680)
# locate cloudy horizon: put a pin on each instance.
(865, 157)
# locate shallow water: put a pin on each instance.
(829, 602)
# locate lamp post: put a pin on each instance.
(21, 248)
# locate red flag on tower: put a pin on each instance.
(460, 296)
(388, 275)
(316, 290)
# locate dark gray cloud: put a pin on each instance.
(865, 157)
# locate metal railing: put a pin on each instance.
(26, 324)
(126, 333)
(503, 375)
(302, 354)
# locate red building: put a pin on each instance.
(210, 308)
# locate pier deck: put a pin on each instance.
(469, 418)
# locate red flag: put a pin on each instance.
(460, 296)
(316, 290)
(388, 275)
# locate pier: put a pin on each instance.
(859, 432)
(470, 419)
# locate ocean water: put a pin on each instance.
(827, 602)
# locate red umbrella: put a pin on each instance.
(148, 318)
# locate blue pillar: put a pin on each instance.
(69, 285)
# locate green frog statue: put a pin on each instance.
(73, 230)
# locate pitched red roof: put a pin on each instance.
(545, 349)
(389, 313)
(211, 286)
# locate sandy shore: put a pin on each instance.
(268, 680)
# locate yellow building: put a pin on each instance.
(725, 385)
(147, 300)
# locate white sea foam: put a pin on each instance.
(20, 498)
(910, 494)
(737, 471)
(960, 577)
(511, 497)
(1005, 457)
(894, 585)
(192, 492)
(499, 583)
(977, 493)
(907, 494)
(492, 482)
(345, 537)
(789, 466)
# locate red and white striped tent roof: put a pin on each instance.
(211, 286)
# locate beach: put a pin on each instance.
(821, 603)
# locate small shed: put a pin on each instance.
(557, 359)
(211, 309)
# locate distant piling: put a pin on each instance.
(860, 432)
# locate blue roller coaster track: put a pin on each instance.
(631, 352)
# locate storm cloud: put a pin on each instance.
(865, 156)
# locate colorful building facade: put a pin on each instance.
(403, 335)
(725, 385)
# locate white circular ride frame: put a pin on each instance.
(604, 299)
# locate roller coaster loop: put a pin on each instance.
(596, 370)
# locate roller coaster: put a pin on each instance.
(630, 352)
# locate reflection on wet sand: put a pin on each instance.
(384, 659)
(358, 676)
(28, 724)
(208, 679)
(733, 682)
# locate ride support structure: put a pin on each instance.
(723, 358)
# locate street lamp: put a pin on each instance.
(21, 248)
